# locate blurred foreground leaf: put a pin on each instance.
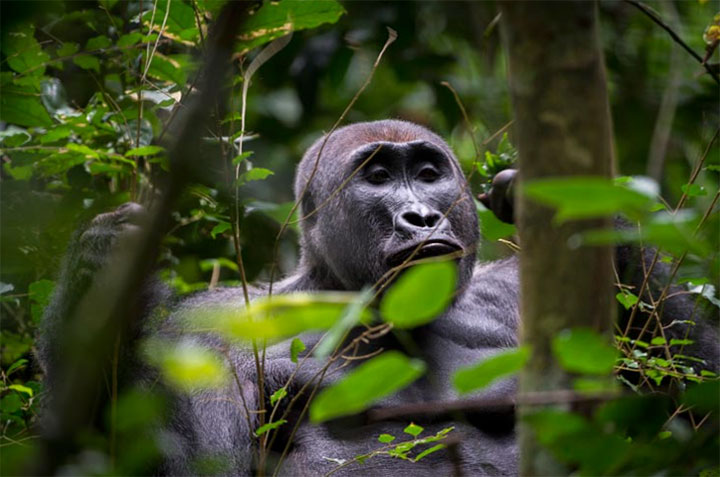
(420, 294)
(480, 375)
(582, 350)
(369, 382)
(587, 197)
(273, 318)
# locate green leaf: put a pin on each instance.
(429, 451)
(274, 317)
(220, 228)
(187, 365)
(420, 294)
(276, 19)
(22, 106)
(87, 62)
(413, 429)
(296, 347)
(21, 389)
(22, 51)
(369, 382)
(626, 299)
(582, 350)
(68, 48)
(693, 190)
(277, 396)
(40, 294)
(680, 342)
(586, 197)
(145, 151)
(238, 159)
(500, 365)
(169, 68)
(19, 364)
(11, 403)
(385, 438)
(98, 43)
(256, 174)
(180, 18)
(657, 341)
(268, 427)
(129, 40)
(491, 227)
(674, 233)
(352, 314)
(703, 396)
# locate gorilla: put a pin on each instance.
(371, 195)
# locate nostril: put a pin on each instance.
(413, 218)
(432, 219)
(421, 220)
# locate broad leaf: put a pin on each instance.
(582, 350)
(276, 19)
(275, 317)
(366, 384)
(587, 197)
(187, 365)
(420, 294)
(480, 375)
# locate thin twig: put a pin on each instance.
(650, 13)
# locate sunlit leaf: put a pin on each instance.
(350, 317)
(21, 389)
(144, 151)
(296, 347)
(582, 350)
(187, 365)
(420, 294)
(277, 396)
(256, 174)
(626, 299)
(369, 382)
(386, 438)
(428, 451)
(500, 365)
(273, 317)
(413, 429)
(269, 427)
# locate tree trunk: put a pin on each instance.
(562, 128)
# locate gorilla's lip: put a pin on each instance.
(428, 248)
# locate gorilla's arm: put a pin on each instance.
(89, 251)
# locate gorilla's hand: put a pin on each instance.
(92, 249)
(89, 251)
(500, 199)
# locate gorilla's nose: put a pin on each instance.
(420, 219)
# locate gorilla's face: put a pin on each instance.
(393, 198)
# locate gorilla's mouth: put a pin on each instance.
(430, 248)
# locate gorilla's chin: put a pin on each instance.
(429, 248)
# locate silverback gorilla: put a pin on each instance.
(410, 194)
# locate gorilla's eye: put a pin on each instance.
(428, 174)
(377, 176)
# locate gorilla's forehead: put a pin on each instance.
(396, 151)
